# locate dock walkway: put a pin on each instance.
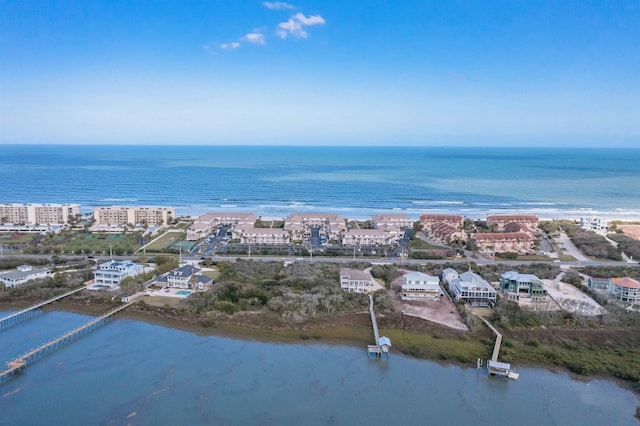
(382, 343)
(32, 311)
(23, 361)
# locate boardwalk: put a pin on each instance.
(496, 346)
(382, 343)
(28, 358)
(31, 311)
(376, 334)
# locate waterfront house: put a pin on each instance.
(417, 285)
(355, 281)
(111, 273)
(22, 274)
(186, 277)
(470, 287)
(594, 223)
(521, 285)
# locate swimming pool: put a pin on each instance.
(183, 292)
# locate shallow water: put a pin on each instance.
(131, 372)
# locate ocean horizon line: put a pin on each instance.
(554, 147)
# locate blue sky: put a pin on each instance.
(534, 73)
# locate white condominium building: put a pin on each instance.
(50, 214)
(121, 215)
(392, 221)
(367, 237)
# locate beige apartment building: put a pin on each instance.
(50, 214)
(501, 222)
(430, 220)
(205, 224)
(120, 215)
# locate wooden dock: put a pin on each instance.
(32, 311)
(496, 368)
(23, 361)
(382, 343)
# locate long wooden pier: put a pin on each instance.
(32, 311)
(382, 343)
(23, 361)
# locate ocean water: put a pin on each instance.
(134, 373)
(356, 182)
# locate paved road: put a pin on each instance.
(316, 258)
(569, 248)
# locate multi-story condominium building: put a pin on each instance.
(205, 224)
(392, 222)
(521, 285)
(593, 223)
(51, 214)
(300, 224)
(469, 286)
(22, 274)
(498, 242)
(111, 273)
(123, 215)
(267, 236)
(447, 233)
(368, 237)
(417, 285)
(428, 221)
(501, 221)
(355, 281)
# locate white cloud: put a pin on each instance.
(230, 46)
(256, 38)
(278, 5)
(309, 20)
(294, 26)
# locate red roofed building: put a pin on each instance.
(447, 233)
(529, 221)
(625, 289)
(504, 241)
(430, 220)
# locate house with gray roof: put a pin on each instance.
(186, 277)
(22, 274)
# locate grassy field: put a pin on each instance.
(164, 241)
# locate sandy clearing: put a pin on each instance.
(570, 298)
(632, 231)
(439, 311)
